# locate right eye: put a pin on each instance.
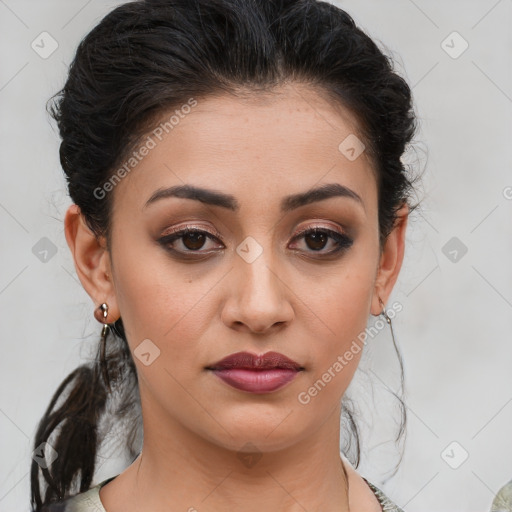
(190, 240)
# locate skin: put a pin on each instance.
(297, 302)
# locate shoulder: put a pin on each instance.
(386, 504)
(88, 501)
(503, 499)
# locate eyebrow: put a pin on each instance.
(288, 203)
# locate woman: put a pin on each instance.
(239, 211)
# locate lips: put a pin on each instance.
(248, 361)
(256, 374)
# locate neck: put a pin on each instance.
(179, 470)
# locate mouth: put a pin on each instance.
(256, 374)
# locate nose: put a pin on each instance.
(258, 299)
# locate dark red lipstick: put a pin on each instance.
(256, 374)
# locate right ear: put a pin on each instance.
(92, 261)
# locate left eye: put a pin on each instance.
(318, 238)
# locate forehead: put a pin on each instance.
(254, 147)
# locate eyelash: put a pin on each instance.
(343, 242)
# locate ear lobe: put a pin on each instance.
(92, 261)
(390, 261)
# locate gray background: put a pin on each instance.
(455, 326)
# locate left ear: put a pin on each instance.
(391, 259)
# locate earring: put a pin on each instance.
(101, 315)
(397, 350)
(384, 312)
(388, 320)
(104, 312)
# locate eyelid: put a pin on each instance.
(319, 227)
(216, 234)
(190, 227)
(341, 238)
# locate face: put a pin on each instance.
(253, 275)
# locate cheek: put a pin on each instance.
(343, 311)
(162, 301)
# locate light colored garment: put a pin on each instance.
(503, 500)
(89, 501)
(386, 504)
